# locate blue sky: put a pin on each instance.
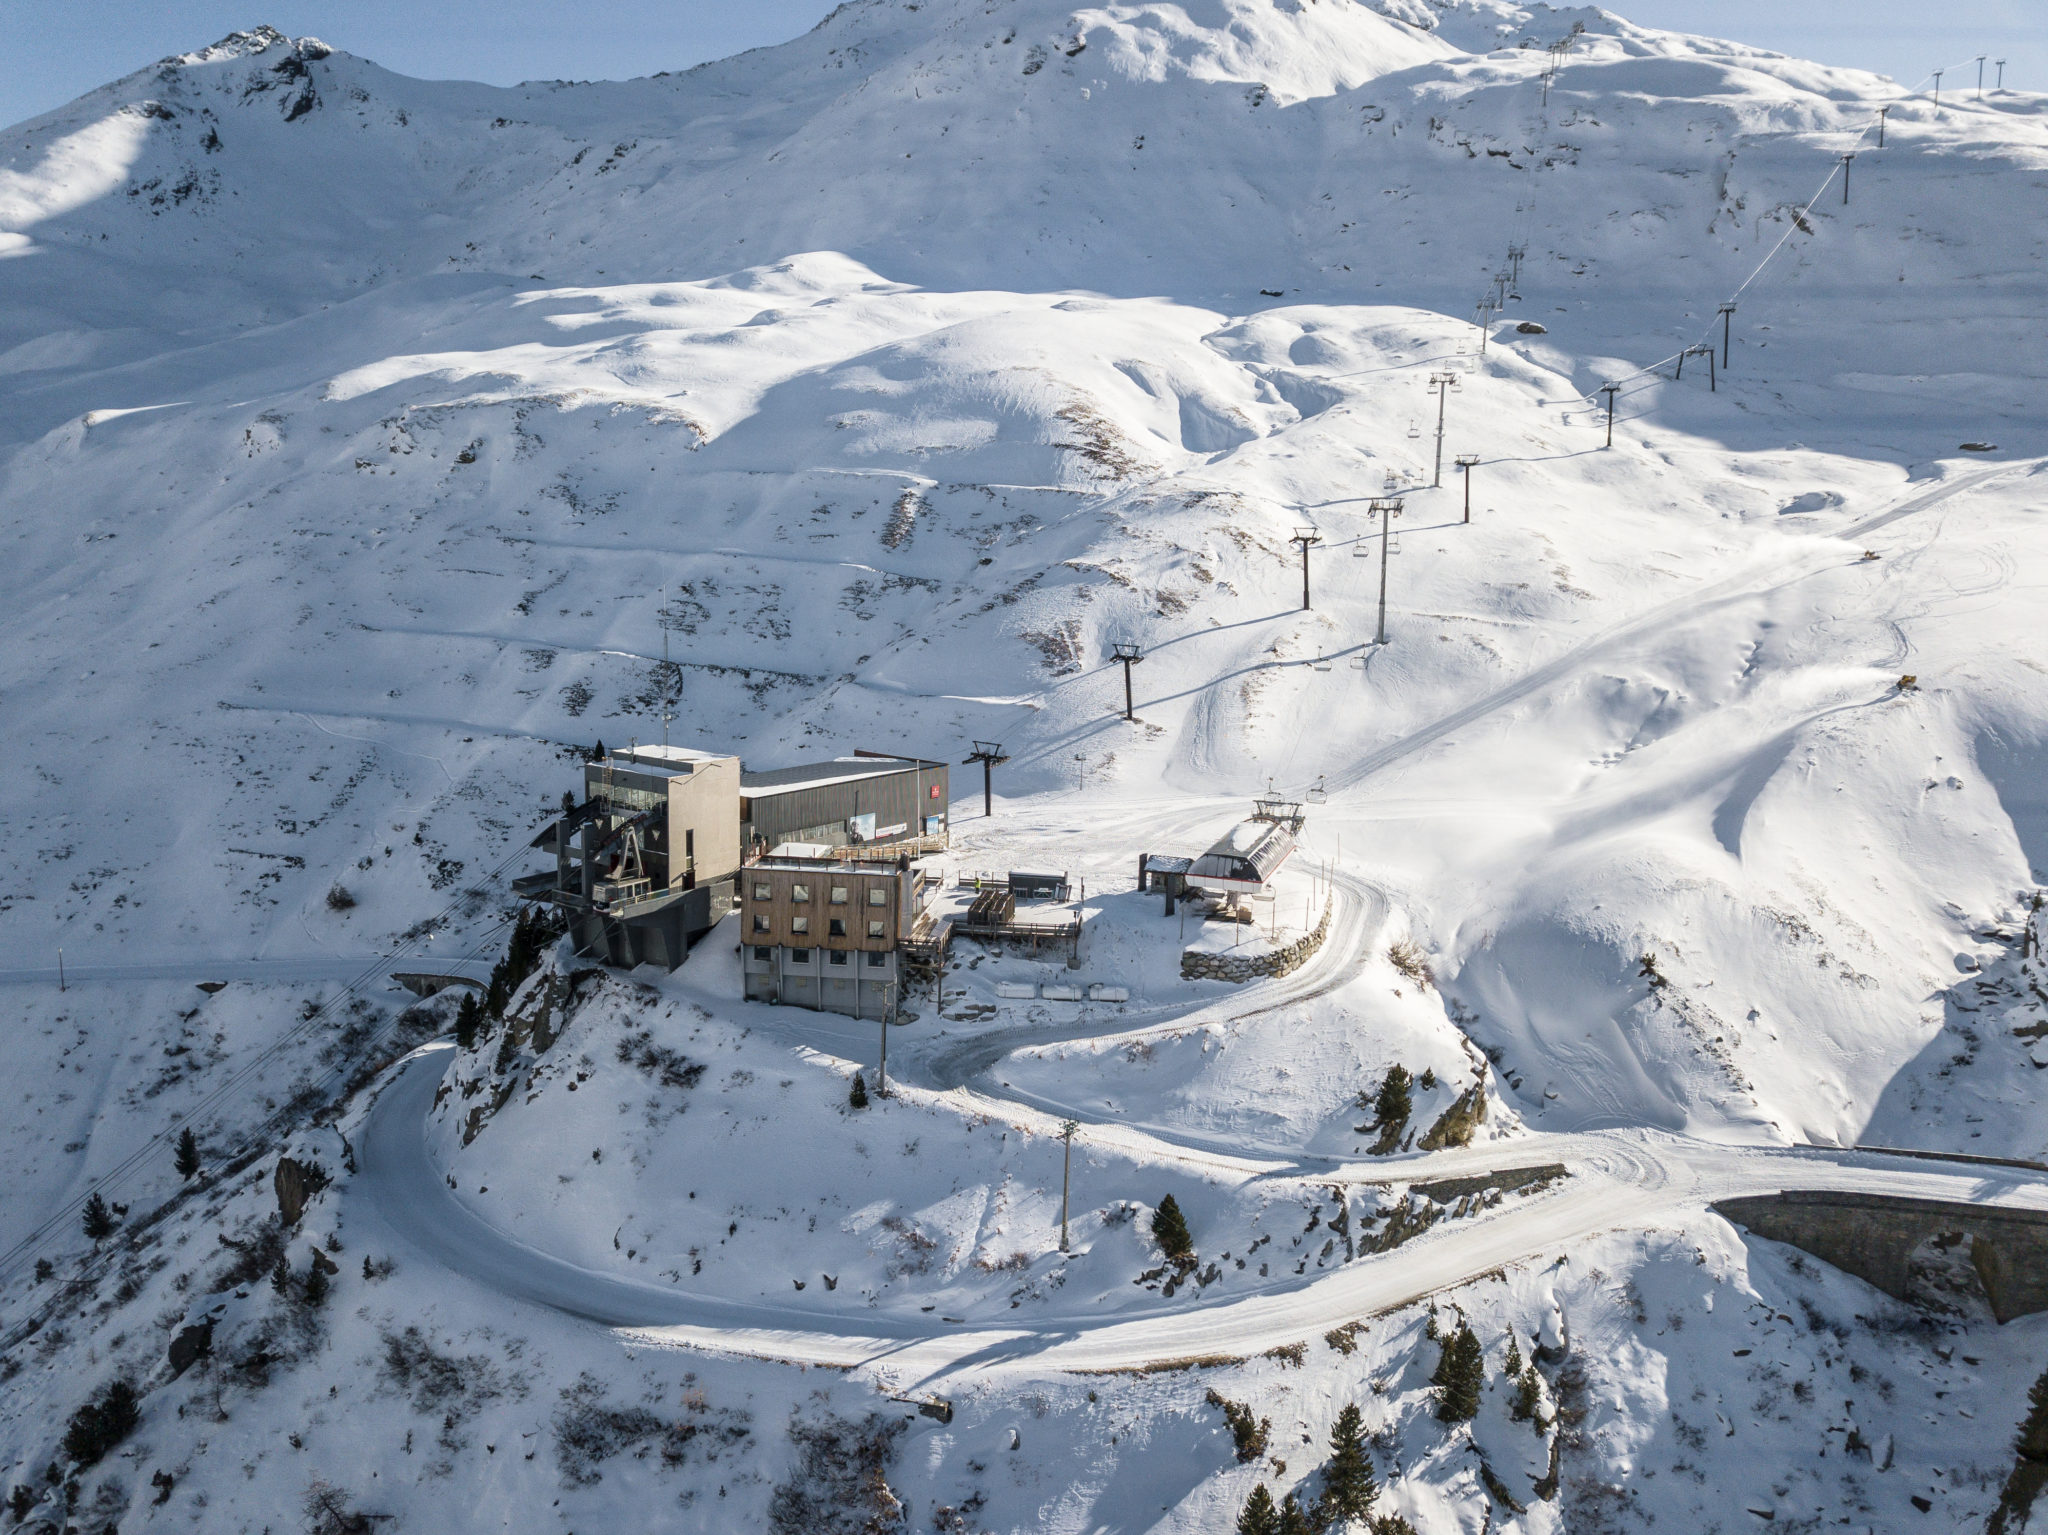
(53, 50)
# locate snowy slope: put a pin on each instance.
(364, 436)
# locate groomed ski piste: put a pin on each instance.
(367, 438)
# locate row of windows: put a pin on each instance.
(878, 895)
(836, 926)
(876, 959)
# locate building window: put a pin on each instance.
(799, 924)
(799, 956)
(835, 956)
(838, 928)
(838, 895)
(878, 930)
(877, 959)
(799, 892)
(878, 895)
(763, 954)
(763, 893)
(760, 922)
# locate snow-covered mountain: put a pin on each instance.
(366, 438)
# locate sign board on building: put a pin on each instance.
(861, 828)
(889, 831)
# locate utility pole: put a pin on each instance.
(1881, 111)
(1305, 537)
(1387, 508)
(1845, 178)
(1130, 655)
(60, 969)
(988, 754)
(1726, 311)
(1610, 390)
(882, 1071)
(1465, 461)
(1442, 383)
(1067, 1129)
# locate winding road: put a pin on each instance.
(1620, 1179)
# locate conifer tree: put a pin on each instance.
(1170, 1231)
(1348, 1485)
(469, 1017)
(1394, 1103)
(187, 1161)
(1259, 1517)
(1294, 1519)
(1528, 1404)
(1460, 1376)
(1514, 1362)
(858, 1098)
(281, 1275)
(98, 1219)
(315, 1291)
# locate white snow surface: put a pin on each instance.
(362, 436)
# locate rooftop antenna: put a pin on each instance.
(1442, 383)
(1610, 390)
(1130, 655)
(988, 754)
(667, 690)
(1881, 111)
(1465, 462)
(1726, 311)
(1386, 508)
(1305, 537)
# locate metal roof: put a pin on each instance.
(815, 775)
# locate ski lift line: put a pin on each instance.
(1861, 134)
(119, 1174)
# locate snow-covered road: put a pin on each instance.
(1620, 1179)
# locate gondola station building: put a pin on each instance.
(651, 858)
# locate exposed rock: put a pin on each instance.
(191, 1345)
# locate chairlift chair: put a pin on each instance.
(1318, 795)
(1414, 430)
(1320, 664)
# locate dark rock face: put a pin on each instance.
(191, 1345)
(294, 1188)
(1531, 328)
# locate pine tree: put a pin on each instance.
(1170, 1231)
(188, 1153)
(1394, 1103)
(858, 1098)
(281, 1275)
(1294, 1519)
(315, 1292)
(98, 1219)
(1260, 1517)
(1514, 1364)
(1460, 1376)
(597, 752)
(1348, 1485)
(469, 1017)
(568, 802)
(1528, 1404)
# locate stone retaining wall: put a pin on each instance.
(1239, 968)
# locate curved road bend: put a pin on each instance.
(1622, 1180)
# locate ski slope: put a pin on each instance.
(369, 442)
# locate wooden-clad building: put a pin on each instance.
(827, 935)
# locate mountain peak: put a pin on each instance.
(256, 40)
